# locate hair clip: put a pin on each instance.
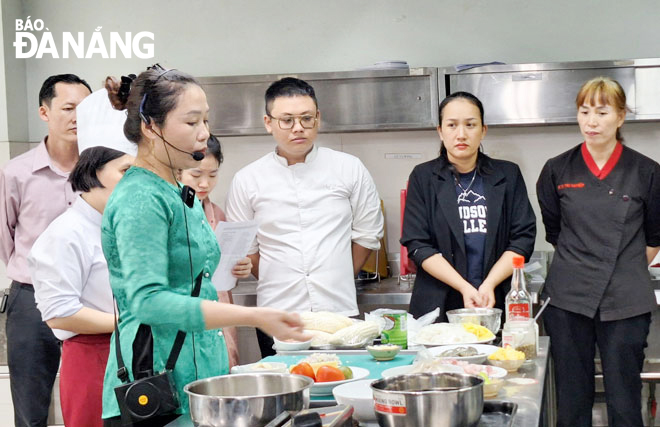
(125, 87)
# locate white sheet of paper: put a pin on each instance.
(235, 239)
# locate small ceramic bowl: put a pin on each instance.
(493, 387)
(384, 351)
(359, 395)
(291, 345)
(509, 365)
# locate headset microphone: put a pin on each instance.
(196, 155)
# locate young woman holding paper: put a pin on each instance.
(203, 180)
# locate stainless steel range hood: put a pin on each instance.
(544, 93)
(350, 101)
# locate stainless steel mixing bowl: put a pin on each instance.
(491, 318)
(246, 399)
(442, 400)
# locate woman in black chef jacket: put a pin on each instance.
(467, 215)
(600, 203)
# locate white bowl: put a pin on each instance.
(291, 345)
(359, 395)
(276, 367)
(483, 351)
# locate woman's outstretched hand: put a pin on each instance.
(281, 325)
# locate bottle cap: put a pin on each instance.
(518, 261)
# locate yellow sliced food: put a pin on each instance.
(482, 332)
(507, 353)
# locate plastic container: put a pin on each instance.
(520, 333)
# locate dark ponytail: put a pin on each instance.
(152, 95)
(118, 91)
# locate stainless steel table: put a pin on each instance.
(386, 292)
(535, 403)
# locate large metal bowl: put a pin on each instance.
(491, 318)
(250, 400)
(444, 400)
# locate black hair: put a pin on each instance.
(83, 176)
(483, 161)
(47, 91)
(213, 147)
(153, 94)
(288, 86)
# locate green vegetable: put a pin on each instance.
(484, 375)
(348, 374)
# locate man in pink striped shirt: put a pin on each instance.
(33, 192)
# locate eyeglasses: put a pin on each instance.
(307, 121)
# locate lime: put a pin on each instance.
(348, 374)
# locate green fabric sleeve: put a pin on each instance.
(143, 231)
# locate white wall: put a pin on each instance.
(529, 147)
(228, 37)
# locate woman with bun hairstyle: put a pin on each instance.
(203, 179)
(160, 247)
(600, 203)
(467, 215)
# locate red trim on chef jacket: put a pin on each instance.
(609, 165)
(81, 379)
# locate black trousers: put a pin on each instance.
(265, 344)
(33, 356)
(621, 345)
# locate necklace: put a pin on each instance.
(464, 193)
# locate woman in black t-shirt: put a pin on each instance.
(466, 217)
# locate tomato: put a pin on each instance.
(329, 373)
(304, 369)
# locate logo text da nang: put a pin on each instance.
(33, 39)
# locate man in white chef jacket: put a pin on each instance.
(317, 209)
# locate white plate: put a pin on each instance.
(484, 350)
(277, 367)
(290, 345)
(431, 344)
(496, 372)
(324, 389)
(402, 370)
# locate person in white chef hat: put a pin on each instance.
(68, 269)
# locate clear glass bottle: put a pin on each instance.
(518, 301)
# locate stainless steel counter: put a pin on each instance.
(385, 292)
(535, 401)
(531, 399)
